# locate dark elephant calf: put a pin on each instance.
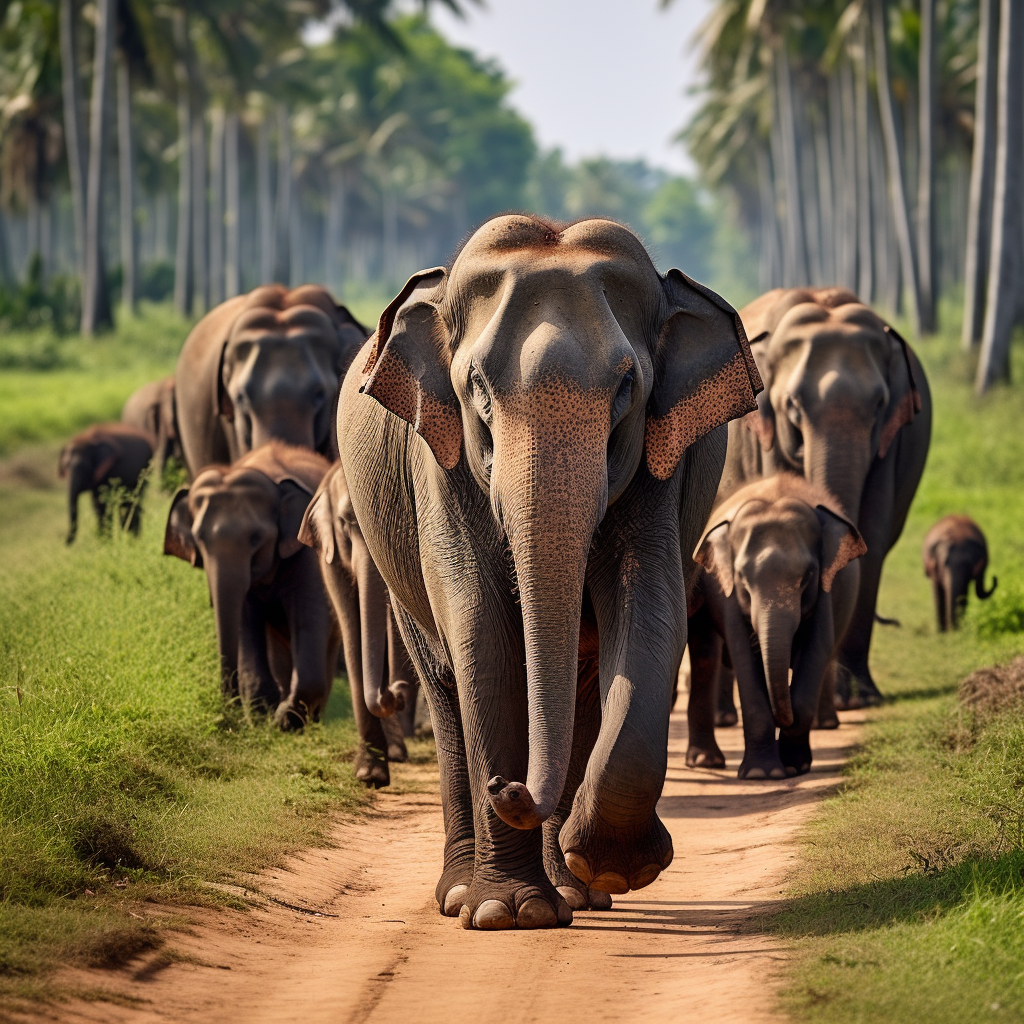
(95, 459)
(955, 555)
(277, 637)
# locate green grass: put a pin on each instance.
(909, 902)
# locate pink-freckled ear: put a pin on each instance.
(409, 365)
(704, 372)
(715, 555)
(905, 399)
(841, 543)
(317, 528)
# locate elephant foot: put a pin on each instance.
(575, 892)
(825, 720)
(396, 741)
(290, 718)
(761, 766)
(453, 885)
(617, 859)
(704, 754)
(497, 904)
(795, 754)
(371, 767)
(726, 718)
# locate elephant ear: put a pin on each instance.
(64, 466)
(317, 528)
(904, 398)
(108, 450)
(408, 369)
(714, 553)
(704, 372)
(294, 500)
(841, 543)
(178, 538)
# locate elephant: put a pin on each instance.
(846, 404)
(955, 555)
(151, 408)
(263, 366)
(96, 458)
(773, 556)
(383, 681)
(532, 440)
(276, 635)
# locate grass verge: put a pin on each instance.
(909, 903)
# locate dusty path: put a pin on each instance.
(674, 951)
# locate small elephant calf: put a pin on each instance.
(772, 583)
(94, 459)
(277, 637)
(955, 555)
(384, 684)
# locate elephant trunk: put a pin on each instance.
(373, 618)
(775, 630)
(550, 512)
(229, 585)
(958, 581)
(839, 458)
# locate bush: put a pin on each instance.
(157, 281)
(55, 304)
(1002, 613)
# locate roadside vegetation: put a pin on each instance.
(909, 904)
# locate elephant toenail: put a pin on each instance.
(579, 867)
(610, 881)
(453, 900)
(536, 913)
(577, 900)
(492, 915)
(645, 876)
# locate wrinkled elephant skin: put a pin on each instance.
(776, 581)
(277, 639)
(531, 446)
(845, 404)
(260, 367)
(98, 457)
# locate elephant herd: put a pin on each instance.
(547, 470)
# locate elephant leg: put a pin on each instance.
(705, 660)
(310, 627)
(725, 706)
(99, 506)
(256, 682)
(826, 717)
(456, 802)
(587, 723)
(939, 594)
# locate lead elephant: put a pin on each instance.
(531, 449)
(277, 638)
(261, 367)
(955, 555)
(151, 408)
(97, 458)
(773, 556)
(382, 679)
(845, 404)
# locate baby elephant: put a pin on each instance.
(96, 458)
(955, 555)
(277, 637)
(384, 684)
(772, 555)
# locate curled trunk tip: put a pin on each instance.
(514, 804)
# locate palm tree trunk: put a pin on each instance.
(161, 226)
(74, 135)
(96, 312)
(979, 204)
(826, 198)
(335, 231)
(894, 157)
(795, 234)
(885, 280)
(926, 261)
(232, 192)
(812, 211)
(126, 161)
(266, 203)
(7, 276)
(217, 126)
(183, 293)
(282, 262)
(865, 247)
(843, 125)
(1006, 261)
(200, 209)
(770, 257)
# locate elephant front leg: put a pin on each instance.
(705, 664)
(310, 628)
(256, 682)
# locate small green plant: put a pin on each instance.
(123, 507)
(1001, 613)
(174, 475)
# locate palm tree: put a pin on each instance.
(926, 262)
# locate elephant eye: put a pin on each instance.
(481, 393)
(793, 411)
(254, 539)
(624, 397)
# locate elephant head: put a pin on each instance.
(838, 386)
(558, 364)
(280, 366)
(238, 523)
(774, 548)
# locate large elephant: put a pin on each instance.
(531, 450)
(773, 556)
(260, 367)
(277, 638)
(955, 555)
(846, 404)
(96, 458)
(382, 679)
(151, 408)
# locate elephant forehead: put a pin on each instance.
(236, 489)
(294, 324)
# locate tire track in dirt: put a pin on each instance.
(680, 949)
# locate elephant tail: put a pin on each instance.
(883, 621)
(979, 586)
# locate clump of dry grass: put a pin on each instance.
(996, 688)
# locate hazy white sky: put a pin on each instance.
(593, 76)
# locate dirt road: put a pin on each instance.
(674, 951)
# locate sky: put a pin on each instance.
(593, 76)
